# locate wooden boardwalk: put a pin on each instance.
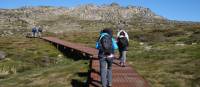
(122, 76)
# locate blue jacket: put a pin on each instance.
(114, 44)
(34, 29)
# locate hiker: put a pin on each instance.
(106, 45)
(122, 42)
(39, 31)
(34, 30)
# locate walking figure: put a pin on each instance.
(106, 45)
(40, 31)
(34, 31)
(122, 42)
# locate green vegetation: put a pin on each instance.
(35, 63)
(166, 58)
(166, 65)
(163, 57)
(165, 54)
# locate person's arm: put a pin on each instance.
(126, 35)
(118, 33)
(97, 45)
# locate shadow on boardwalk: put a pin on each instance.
(76, 56)
(71, 53)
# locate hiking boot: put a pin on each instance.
(123, 65)
(110, 85)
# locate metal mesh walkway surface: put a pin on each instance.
(122, 76)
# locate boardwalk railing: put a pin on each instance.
(122, 76)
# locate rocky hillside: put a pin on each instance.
(59, 19)
(111, 12)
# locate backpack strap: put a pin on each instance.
(98, 41)
(102, 36)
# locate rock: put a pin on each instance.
(112, 12)
(194, 43)
(141, 43)
(60, 55)
(180, 44)
(148, 48)
(2, 55)
(45, 61)
(130, 62)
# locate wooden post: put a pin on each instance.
(57, 46)
(72, 50)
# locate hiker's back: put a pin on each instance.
(122, 42)
(40, 30)
(106, 44)
(122, 39)
(34, 29)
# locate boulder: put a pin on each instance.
(2, 55)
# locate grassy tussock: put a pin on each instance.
(36, 63)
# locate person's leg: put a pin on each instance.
(103, 71)
(36, 34)
(120, 57)
(124, 57)
(39, 34)
(32, 34)
(109, 71)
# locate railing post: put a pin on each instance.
(57, 46)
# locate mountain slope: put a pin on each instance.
(84, 18)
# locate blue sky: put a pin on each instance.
(185, 10)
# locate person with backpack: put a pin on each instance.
(122, 42)
(122, 31)
(106, 45)
(39, 31)
(34, 31)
